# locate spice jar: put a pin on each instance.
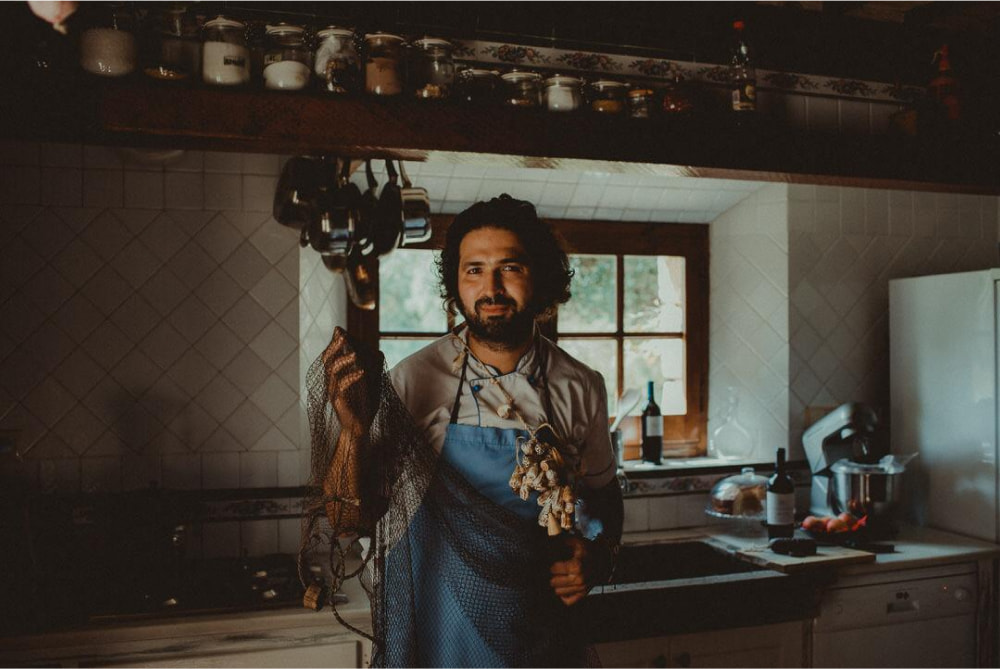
(522, 89)
(607, 96)
(563, 93)
(478, 87)
(383, 64)
(677, 97)
(337, 66)
(432, 71)
(170, 47)
(225, 58)
(286, 58)
(641, 102)
(107, 47)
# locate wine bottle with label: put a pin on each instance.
(780, 501)
(742, 74)
(652, 430)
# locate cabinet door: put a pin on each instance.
(779, 645)
(343, 654)
(636, 653)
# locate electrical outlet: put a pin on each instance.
(8, 442)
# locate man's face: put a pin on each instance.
(495, 287)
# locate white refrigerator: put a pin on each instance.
(944, 343)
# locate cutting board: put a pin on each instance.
(758, 553)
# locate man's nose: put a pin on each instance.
(495, 283)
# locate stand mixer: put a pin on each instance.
(847, 432)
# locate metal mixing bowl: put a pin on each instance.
(865, 490)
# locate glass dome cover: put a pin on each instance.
(740, 496)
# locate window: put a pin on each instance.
(639, 313)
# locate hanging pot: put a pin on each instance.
(388, 215)
(416, 207)
(360, 277)
(367, 213)
(331, 228)
(295, 196)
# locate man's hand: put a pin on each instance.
(345, 385)
(570, 579)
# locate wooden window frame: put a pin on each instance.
(684, 435)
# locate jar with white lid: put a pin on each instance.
(108, 46)
(337, 65)
(286, 58)
(225, 58)
(431, 69)
(383, 64)
(641, 102)
(607, 96)
(522, 89)
(563, 93)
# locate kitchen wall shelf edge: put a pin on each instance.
(138, 113)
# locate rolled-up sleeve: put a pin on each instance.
(596, 453)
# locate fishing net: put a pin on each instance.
(443, 557)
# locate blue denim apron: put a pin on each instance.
(445, 634)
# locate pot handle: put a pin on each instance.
(406, 177)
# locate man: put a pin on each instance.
(502, 270)
(466, 576)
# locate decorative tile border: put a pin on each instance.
(513, 55)
(675, 482)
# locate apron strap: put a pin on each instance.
(458, 393)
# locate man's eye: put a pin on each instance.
(473, 270)
(513, 268)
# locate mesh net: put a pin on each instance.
(453, 578)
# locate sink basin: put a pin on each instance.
(672, 561)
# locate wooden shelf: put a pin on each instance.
(139, 112)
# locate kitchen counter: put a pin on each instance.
(128, 641)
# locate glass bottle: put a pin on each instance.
(742, 75)
(652, 429)
(522, 89)
(607, 96)
(337, 68)
(107, 46)
(432, 70)
(225, 58)
(562, 93)
(383, 64)
(677, 98)
(171, 49)
(286, 58)
(731, 441)
(478, 87)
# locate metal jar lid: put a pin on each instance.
(475, 73)
(432, 44)
(382, 37)
(516, 76)
(334, 31)
(284, 29)
(563, 80)
(640, 93)
(607, 84)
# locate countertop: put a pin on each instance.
(916, 547)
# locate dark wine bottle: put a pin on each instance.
(652, 430)
(742, 74)
(780, 501)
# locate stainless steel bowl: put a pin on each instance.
(864, 490)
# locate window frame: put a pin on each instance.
(684, 435)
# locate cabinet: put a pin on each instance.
(352, 653)
(778, 645)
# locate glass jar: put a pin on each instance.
(286, 58)
(337, 65)
(225, 58)
(677, 96)
(607, 96)
(107, 46)
(171, 49)
(641, 102)
(522, 89)
(563, 93)
(383, 64)
(432, 70)
(478, 87)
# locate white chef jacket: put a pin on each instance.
(427, 383)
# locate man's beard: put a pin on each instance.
(499, 332)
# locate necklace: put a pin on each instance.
(538, 465)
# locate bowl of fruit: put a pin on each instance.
(842, 529)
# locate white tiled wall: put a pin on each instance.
(845, 244)
(749, 337)
(149, 320)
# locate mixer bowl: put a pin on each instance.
(865, 490)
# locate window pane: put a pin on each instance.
(408, 293)
(593, 305)
(397, 349)
(600, 355)
(662, 362)
(654, 294)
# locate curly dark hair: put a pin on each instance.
(548, 262)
